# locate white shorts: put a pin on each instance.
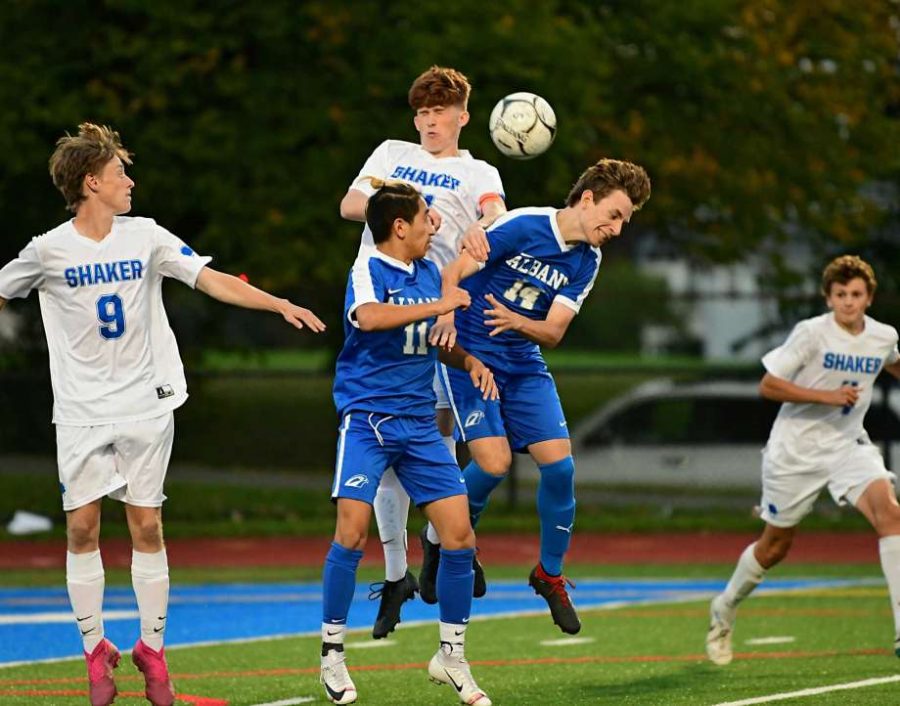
(127, 461)
(788, 495)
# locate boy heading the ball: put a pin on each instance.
(464, 196)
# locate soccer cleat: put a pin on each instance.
(479, 588)
(339, 687)
(718, 639)
(392, 594)
(553, 590)
(100, 665)
(158, 687)
(445, 669)
(431, 559)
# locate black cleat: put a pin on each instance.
(479, 588)
(553, 590)
(392, 594)
(431, 559)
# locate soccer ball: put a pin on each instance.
(522, 125)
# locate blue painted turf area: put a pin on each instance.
(36, 623)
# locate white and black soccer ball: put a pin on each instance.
(522, 125)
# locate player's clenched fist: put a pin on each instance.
(454, 298)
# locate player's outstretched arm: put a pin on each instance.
(780, 390)
(481, 376)
(231, 290)
(353, 206)
(547, 333)
(377, 316)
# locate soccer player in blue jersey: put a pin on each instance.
(384, 396)
(539, 269)
(464, 196)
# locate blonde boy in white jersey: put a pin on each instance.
(117, 377)
(823, 374)
(464, 195)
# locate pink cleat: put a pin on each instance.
(159, 690)
(100, 665)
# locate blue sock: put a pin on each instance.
(339, 583)
(479, 486)
(556, 507)
(454, 585)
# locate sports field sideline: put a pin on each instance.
(813, 626)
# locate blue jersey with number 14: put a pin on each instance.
(530, 267)
(388, 372)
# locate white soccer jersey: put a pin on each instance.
(113, 357)
(819, 354)
(455, 186)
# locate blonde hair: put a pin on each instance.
(85, 153)
(846, 267)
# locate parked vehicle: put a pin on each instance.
(707, 434)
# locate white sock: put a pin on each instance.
(453, 640)
(746, 577)
(85, 581)
(432, 535)
(333, 634)
(150, 579)
(889, 549)
(450, 442)
(391, 510)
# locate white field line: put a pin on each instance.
(668, 600)
(60, 617)
(774, 640)
(290, 702)
(567, 641)
(812, 692)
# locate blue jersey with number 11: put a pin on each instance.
(530, 267)
(388, 372)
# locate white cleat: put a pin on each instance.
(339, 687)
(718, 639)
(455, 672)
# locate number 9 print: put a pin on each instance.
(111, 314)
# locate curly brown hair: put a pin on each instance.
(846, 267)
(439, 85)
(610, 175)
(76, 156)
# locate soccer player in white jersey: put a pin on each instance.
(464, 195)
(823, 375)
(117, 377)
(385, 399)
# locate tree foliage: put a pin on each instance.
(761, 122)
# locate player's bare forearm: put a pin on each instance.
(780, 390)
(491, 210)
(481, 376)
(547, 333)
(377, 316)
(456, 271)
(2, 303)
(232, 290)
(353, 206)
(474, 240)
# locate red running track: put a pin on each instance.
(689, 548)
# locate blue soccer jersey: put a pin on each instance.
(388, 372)
(529, 268)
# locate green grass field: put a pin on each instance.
(635, 655)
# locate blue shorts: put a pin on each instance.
(369, 443)
(528, 411)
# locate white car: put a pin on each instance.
(705, 434)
